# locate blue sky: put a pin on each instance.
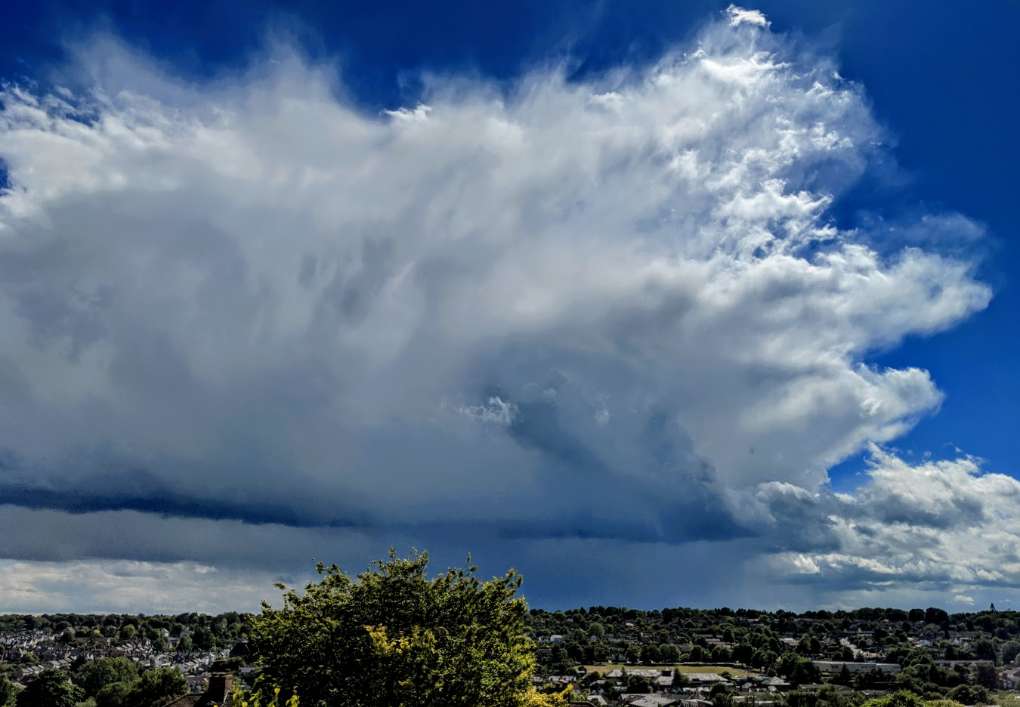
(295, 284)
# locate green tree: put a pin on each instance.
(668, 653)
(650, 653)
(721, 654)
(721, 696)
(809, 645)
(697, 655)
(970, 695)
(51, 688)
(638, 685)
(202, 638)
(1010, 651)
(797, 669)
(763, 658)
(115, 694)
(96, 674)
(7, 691)
(984, 649)
(985, 676)
(633, 653)
(155, 687)
(394, 637)
(743, 652)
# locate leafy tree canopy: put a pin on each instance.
(51, 688)
(901, 698)
(154, 687)
(93, 675)
(970, 695)
(394, 637)
(7, 691)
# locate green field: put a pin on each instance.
(683, 668)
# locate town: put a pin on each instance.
(107, 655)
(602, 656)
(695, 658)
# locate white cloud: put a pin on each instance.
(739, 16)
(128, 587)
(251, 299)
(938, 526)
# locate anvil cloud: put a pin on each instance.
(248, 323)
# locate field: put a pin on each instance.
(681, 667)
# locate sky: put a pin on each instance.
(670, 304)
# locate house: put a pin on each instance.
(705, 679)
(647, 673)
(653, 700)
(833, 667)
(560, 680)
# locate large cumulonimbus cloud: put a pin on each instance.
(616, 311)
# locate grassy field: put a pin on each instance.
(1006, 699)
(683, 668)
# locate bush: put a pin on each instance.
(970, 695)
(900, 698)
